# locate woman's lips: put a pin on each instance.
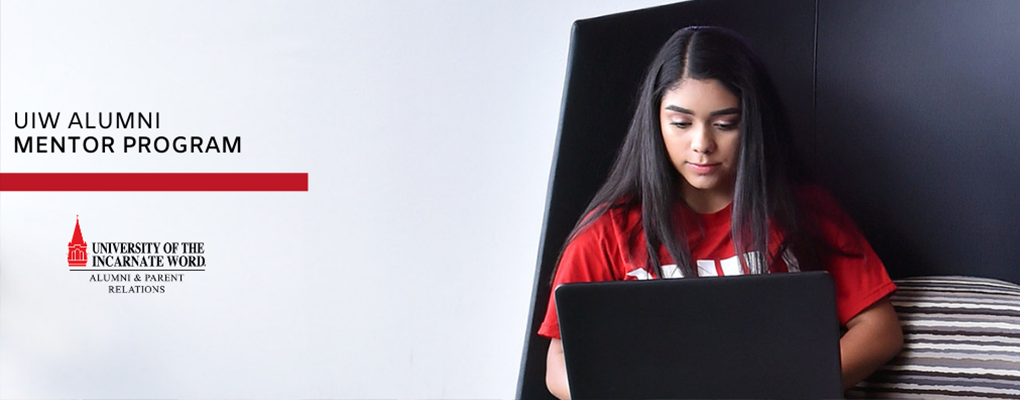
(703, 168)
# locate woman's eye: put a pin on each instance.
(680, 124)
(725, 126)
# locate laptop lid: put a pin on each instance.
(752, 336)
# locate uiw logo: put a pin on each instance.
(77, 250)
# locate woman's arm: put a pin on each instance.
(873, 337)
(556, 371)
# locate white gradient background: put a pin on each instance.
(427, 129)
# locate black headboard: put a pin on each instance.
(907, 110)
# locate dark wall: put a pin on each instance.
(918, 109)
(909, 113)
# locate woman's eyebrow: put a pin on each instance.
(725, 111)
(679, 109)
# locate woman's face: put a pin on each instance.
(701, 129)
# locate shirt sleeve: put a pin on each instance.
(587, 258)
(861, 280)
(859, 275)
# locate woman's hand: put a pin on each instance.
(556, 371)
(873, 337)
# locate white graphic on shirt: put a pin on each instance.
(753, 263)
(706, 268)
(791, 262)
(641, 274)
(729, 267)
(671, 271)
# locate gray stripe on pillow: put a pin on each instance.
(961, 340)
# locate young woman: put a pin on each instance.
(706, 184)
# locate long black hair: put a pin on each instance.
(643, 176)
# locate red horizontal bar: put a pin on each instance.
(154, 182)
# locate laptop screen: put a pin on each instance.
(755, 336)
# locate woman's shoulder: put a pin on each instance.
(602, 248)
(819, 203)
(826, 214)
(616, 218)
(814, 194)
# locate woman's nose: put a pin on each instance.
(702, 141)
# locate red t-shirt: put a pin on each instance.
(613, 248)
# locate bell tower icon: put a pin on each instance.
(77, 249)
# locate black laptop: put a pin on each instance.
(757, 336)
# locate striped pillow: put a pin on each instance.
(961, 340)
